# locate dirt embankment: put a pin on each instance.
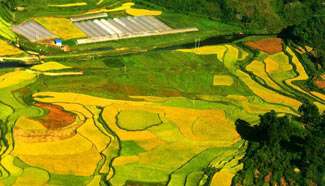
(36, 136)
(59, 125)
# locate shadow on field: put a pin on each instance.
(246, 131)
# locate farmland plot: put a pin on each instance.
(74, 132)
(61, 27)
(7, 49)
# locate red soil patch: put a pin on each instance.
(270, 46)
(57, 117)
(320, 84)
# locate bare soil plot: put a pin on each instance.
(270, 46)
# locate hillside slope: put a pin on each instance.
(272, 15)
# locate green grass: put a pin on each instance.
(152, 74)
(136, 172)
(39, 176)
(194, 178)
(68, 180)
(196, 164)
(130, 148)
(5, 31)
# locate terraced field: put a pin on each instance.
(8, 50)
(163, 117)
(127, 7)
(5, 23)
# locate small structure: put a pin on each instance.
(33, 31)
(58, 42)
(100, 30)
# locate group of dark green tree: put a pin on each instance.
(263, 13)
(310, 32)
(284, 151)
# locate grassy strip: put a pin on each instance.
(196, 164)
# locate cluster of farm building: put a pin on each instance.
(99, 28)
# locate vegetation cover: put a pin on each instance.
(284, 150)
(61, 27)
(165, 110)
(7, 49)
(272, 15)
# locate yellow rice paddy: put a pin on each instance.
(5, 30)
(109, 115)
(100, 2)
(222, 178)
(302, 75)
(321, 107)
(50, 66)
(62, 147)
(13, 78)
(29, 124)
(258, 69)
(122, 160)
(127, 7)
(309, 49)
(271, 65)
(207, 50)
(283, 61)
(7, 49)
(266, 94)
(222, 80)
(254, 108)
(231, 58)
(8, 163)
(61, 27)
(66, 164)
(94, 182)
(142, 12)
(69, 5)
(319, 95)
(91, 132)
(243, 55)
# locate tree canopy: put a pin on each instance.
(287, 150)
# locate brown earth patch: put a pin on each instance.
(311, 182)
(257, 173)
(270, 46)
(56, 118)
(283, 182)
(267, 178)
(22, 90)
(37, 136)
(320, 84)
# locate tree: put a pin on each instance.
(285, 148)
(309, 113)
